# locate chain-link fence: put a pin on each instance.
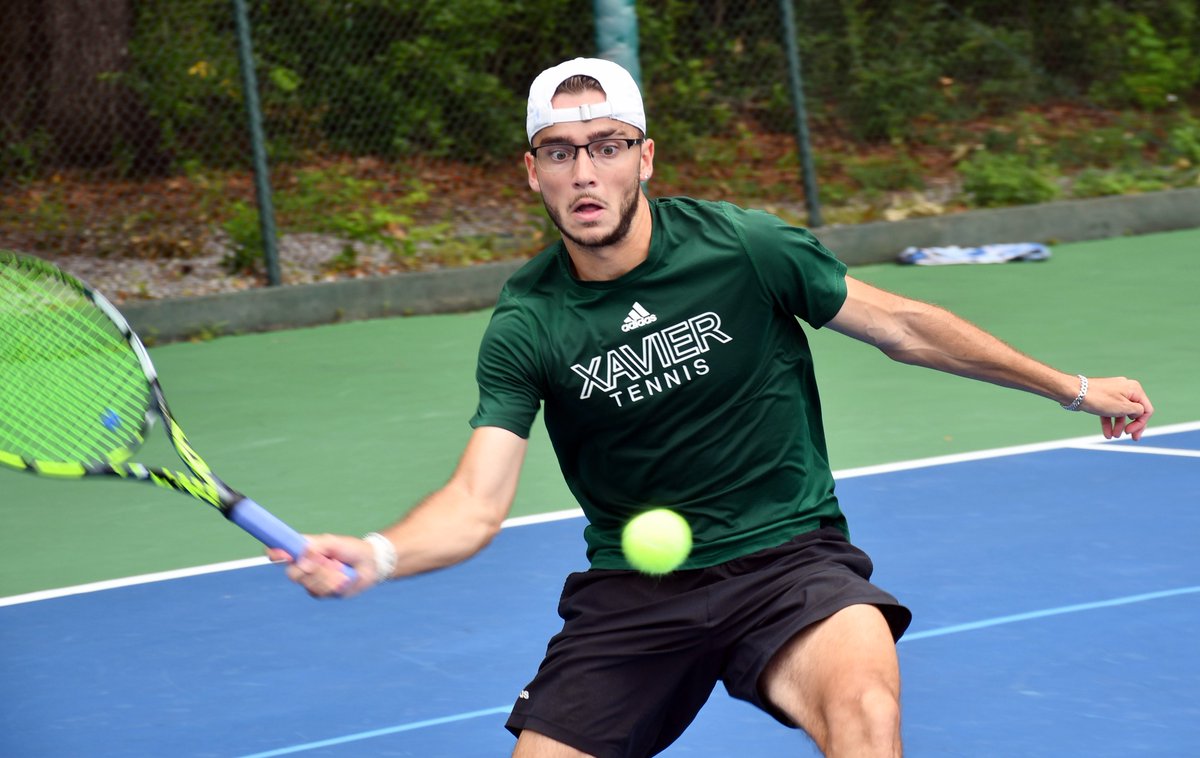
(397, 126)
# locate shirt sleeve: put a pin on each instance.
(800, 274)
(510, 392)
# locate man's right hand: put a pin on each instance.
(319, 569)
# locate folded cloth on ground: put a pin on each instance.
(1000, 253)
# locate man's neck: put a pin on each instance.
(604, 264)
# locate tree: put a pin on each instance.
(62, 60)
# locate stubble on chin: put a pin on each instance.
(624, 223)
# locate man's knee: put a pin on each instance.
(840, 682)
(865, 712)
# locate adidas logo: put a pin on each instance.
(638, 316)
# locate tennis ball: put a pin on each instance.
(656, 541)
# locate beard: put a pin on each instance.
(628, 210)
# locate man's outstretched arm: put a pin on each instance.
(921, 334)
(449, 526)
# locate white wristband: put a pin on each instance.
(1074, 405)
(385, 555)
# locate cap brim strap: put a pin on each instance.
(585, 112)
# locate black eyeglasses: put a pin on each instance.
(604, 153)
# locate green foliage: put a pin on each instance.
(994, 180)
(396, 78)
(885, 173)
(245, 238)
(21, 158)
(680, 44)
(334, 201)
(1098, 183)
(890, 68)
(393, 78)
(346, 260)
(185, 71)
(1153, 61)
(368, 77)
(414, 82)
(1104, 147)
(1183, 142)
(1022, 138)
(996, 66)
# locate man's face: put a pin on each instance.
(592, 203)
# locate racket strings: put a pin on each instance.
(41, 432)
(60, 420)
(83, 393)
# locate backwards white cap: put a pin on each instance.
(624, 100)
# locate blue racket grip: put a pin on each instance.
(272, 532)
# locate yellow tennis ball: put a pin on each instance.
(656, 541)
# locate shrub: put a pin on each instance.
(1183, 142)
(1098, 183)
(1153, 67)
(998, 180)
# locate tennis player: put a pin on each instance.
(660, 338)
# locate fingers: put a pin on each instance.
(1122, 405)
(320, 569)
(1131, 425)
(1138, 425)
(1137, 422)
(1108, 427)
(321, 576)
(276, 555)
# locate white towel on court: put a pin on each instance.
(1000, 253)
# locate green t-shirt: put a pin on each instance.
(686, 383)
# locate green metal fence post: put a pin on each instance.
(811, 199)
(617, 34)
(262, 180)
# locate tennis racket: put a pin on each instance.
(78, 395)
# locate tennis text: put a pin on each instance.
(663, 360)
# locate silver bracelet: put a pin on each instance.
(385, 555)
(1074, 405)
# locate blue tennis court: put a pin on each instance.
(1055, 587)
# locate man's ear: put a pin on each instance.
(531, 170)
(647, 167)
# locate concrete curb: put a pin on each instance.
(268, 308)
(475, 287)
(1065, 221)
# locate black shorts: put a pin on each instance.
(637, 656)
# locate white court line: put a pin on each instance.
(542, 518)
(129, 581)
(1172, 451)
(1089, 442)
(1036, 447)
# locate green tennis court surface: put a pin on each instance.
(342, 428)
